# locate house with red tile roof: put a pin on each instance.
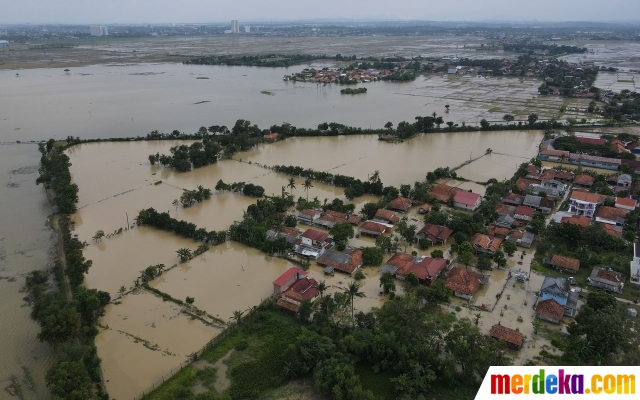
(485, 244)
(594, 141)
(523, 183)
(579, 220)
(584, 180)
(312, 244)
(612, 230)
(436, 234)
(307, 216)
(463, 282)
(565, 263)
(287, 279)
(424, 208)
(512, 337)
(626, 204)
(524, 213)
(550, 310)
(513, 199)
(401, 204)
(618, 146)
(611, 215)
(426, 269)
(443, 192)
(466, 200)
(505, 209)
(584, 203)
(372, 228)
(386, 216)
(299, 287)
(347, 261)
(607, 279)
(271, 137)
(498, 231)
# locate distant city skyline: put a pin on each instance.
(207, 11)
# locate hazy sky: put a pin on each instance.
(188, 11)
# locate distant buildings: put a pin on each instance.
(235, 28)
(247, 29)
(99, 31)
(4, 43)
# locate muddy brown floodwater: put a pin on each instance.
(115, 179)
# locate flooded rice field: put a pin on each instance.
(122, 101)
(25, 242)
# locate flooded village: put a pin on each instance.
(495, 198)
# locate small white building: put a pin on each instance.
(466, 200)
(635, 265)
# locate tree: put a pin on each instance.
(476, 318)
(69, 380)
(122, 290)
(387, 283)
(290, 221)
(292, 184)
(500, 259)
(465, 253)
(508, 118)
(423, 243)
(189, 300)
(369, 210)
(307, 185)
(388, 125)
(184, 254)
(175, 203)
(353, 291)
(408, 232)
(237, 317)
(484, 262)
(322, 287)
(437, 292)
(98, 236)
(372, 256)
(437, 254)
(412, 280)
(485, 124)
(510, 247)
(60, 324)
(342, 232)
(305, 310)
(532, 118)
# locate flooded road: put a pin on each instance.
(24, 246)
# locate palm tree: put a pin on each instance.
(122, 290)
(353, 290)
(284, 192)
(477, 318)
(322, 287)
(175, 203)
(536, 325)
(292, 184)
(307, 185)
(184, 254)
(237, 316)
(278, 226)
(375, 177)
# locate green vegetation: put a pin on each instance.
(353, 91)
(190, 230)
(191, 197)
(406, 349)
(268, 93)
(55, 175)
(269, 60)
(573, 145)
(248, 189)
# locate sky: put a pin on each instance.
(208, 11)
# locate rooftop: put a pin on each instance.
(584, 179)
(550, 308)
(507, 334)
(387, 215)
(464, 281)
(524, 210)
(579, 220)
(288, 274)
(587, 197)
(315, 235)
(466, 198)
(346, 261)
(567, 263)
(611, 213)
(607, 276)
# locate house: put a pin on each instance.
(426, 269)
(425, 208)
(565, 263)
(553, 155)
(401, 204)
(594, 161)
(542, 204)
(579, 220)
(624, 181)
(443, 192)
(463, 282)
(505, 220)
(524, 213)
(583, 203)
(559, 175)
(271, 137)
(550, 310)
(485, 243)
(466, 200)
(436, 234)
(618, 146)
(594, 141)
(512, 337)
(522, 183)
(611, 215)
(635, 265)
(329, 218)
(559, 289)
(348, 260)
(584, 180)
(292, 288)
(551, 188)
(513, 199)
(498, 231)
(505, 209)
(312, 244)
(607, 279)
(613, 230)
(307, 216)
(526, 240)
(386, 217)
(372, 228)
(626, 204)
(633, 147)
(291, 235)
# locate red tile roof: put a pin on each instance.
(524, 210)
(496, 230)
(387, 215)
(579, 220)
(436, 233)
(510, 336)
(463, 281)
(271, 136)
(611, 213)
(583, 179)
(587, 197)
(466, 198)
(485, 242)
(568, 263)
(504, 209)
(302, 289)
(354, 261)
(288, 274)
(550, 308)
(401, 203)
(373, 227)
(611, 230)
(443, 192)
(425, 207)
(425, 269)
(523, 183)
(591, 140)
(315, 235)
(626, 202)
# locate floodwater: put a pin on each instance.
(406, 162)
(24, 246)
(122, 101)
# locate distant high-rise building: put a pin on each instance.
(235, 28)
(247, 28)
(99, 31)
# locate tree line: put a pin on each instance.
(183, 228)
